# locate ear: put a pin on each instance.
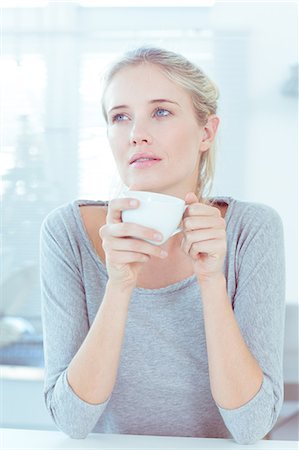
(209, 132)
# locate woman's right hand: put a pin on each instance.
(126, 255)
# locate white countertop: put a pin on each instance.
(51, 440)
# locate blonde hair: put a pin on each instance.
(203, 91)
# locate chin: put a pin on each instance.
(149, 185)
(143, 187)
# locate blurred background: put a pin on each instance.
(54, 147)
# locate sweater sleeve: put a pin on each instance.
(259, 308)
(65, 325)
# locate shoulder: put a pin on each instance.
(245, 215)
(57, 219)
(254, 216)
(71, 222)
(59, 233)
(70, 214)
(254, 229)
(70, 226)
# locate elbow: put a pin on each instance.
(248, 440)
(252, 422)
(255, 430)
(75, 434)
(69, 428)
(72, 432)
(71, 415)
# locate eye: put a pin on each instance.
(118, 118)
(161, 112)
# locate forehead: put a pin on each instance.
(143, 83)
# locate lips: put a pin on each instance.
(143, 156)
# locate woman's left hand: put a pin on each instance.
(204, 238)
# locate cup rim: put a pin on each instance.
(157, 196)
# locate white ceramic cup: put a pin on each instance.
(158, 211)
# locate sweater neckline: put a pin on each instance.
(181, 284)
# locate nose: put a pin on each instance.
(140, 135)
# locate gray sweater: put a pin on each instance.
(162, 387)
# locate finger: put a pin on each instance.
(116, 257)
(214, 248)
(190, 198)
(134, 245)
(201, 222)
(209, 234)
(127, 229)
(201, 209)
(117, 205)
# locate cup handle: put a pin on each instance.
(179, 229)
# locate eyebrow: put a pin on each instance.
(156, 100)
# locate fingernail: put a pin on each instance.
(133, 203)
(158, 236)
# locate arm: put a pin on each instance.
(235, 375)
(259, 311)
(78, 379)
(245, 341)
(92, 372)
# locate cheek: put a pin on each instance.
(184, 152)
(184, 144)
(116, 141)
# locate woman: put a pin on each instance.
(179, 339)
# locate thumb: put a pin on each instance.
(190, 198)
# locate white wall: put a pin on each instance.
(271, 160)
